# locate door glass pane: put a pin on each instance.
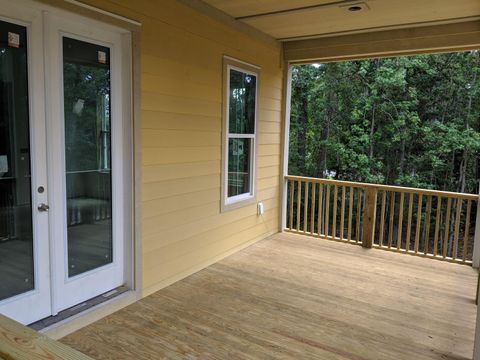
(16, 236)
(86, 71)
(239, 166)
(243, 89)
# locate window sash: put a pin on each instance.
(250, 194)
(250, 171)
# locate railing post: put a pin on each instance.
(476, 239)
(369, 217)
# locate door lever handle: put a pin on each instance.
(43, 207)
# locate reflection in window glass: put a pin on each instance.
(242, 94)
(238, 166)
(86, 73)
(16, 233)
(242, 103)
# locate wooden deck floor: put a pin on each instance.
(295, 297)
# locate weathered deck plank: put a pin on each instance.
(18, 342)
(295, 297)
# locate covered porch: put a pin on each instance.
(292, 272)
(298, 297)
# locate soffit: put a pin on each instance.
(292, 20)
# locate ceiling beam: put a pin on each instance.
(426, 39)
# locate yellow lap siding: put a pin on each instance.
(168, 188)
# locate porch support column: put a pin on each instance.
(369, 217)
(476, 242)
(286, 140)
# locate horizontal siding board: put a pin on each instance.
(268, 160)
(168, 188)
(269, 139)
(201, 226)
(159, 102)
(160, 120)
(156, 173)
(268, 150)
(268, 183)
(157, 224)
(178, 138)
(170, 85)
(152, 156)
(178, 202)
(268, 171)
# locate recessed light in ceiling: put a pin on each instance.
(355, 8)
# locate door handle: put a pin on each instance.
(43, 207)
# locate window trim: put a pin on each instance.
(238, 201)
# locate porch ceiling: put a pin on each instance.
(290, 20)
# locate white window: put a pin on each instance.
(239, 133)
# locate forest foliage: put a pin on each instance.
(409, 121)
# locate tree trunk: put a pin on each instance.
(302, 134)
(372, 132)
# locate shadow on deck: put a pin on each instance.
(296, 297)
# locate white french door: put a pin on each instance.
(61, 222)
(24, 231)
(84, 86)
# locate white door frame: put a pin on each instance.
(53, 290)
(35, 304)
(67, 292)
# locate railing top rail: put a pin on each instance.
(446, 194)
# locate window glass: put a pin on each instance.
(87, 85)
(16, 232)
(242, 102)
(239, 151)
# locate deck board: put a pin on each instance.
(296, 297)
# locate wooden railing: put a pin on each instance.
(436, 224)
(18, 342)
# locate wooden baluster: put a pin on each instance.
(312, 210)
(419, 222)
(456, 233)
(305, 208)
(409, 223)
(320, 208)
(350, 213)
(400, 221)
(359, 211)
(382, 218)
(447, 228)
(342, 210)
(467, 231)
(292, 189)
(437, 225)
(427, 225)
(369, 217)
(299, 194)
(392, 215)
(327, 209)
(334, 212)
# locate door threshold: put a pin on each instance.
(69, 313)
